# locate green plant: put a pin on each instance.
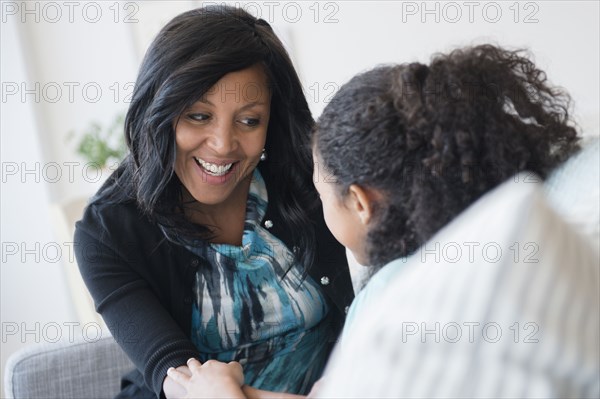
(102, 147)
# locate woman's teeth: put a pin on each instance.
(213, 169)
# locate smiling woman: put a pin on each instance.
(199, 243)
(220, 140)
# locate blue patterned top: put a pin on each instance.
(256, 306)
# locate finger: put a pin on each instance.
(194, 365)
(236, 366)
(237, 371)
(178, 376)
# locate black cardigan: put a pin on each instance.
(142, 283)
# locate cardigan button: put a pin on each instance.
(187, 300)
(268, 224)
(324, 280)
(195, 263)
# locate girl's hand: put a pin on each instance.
(212, 379)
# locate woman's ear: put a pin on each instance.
(362, 201)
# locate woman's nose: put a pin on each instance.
(222, 139)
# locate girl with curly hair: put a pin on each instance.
(409, 147)
(400, 152)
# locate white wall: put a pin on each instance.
(56, 52)
(32, 288)
(564, 41)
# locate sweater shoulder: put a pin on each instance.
(116, 225)
(106, 216)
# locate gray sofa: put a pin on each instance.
(65, 370)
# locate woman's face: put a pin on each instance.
(220, 137)
(340, 213)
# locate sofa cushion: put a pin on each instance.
(67, 370)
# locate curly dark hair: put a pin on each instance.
(433, 139)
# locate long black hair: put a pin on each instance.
(188, 56)
(435, 138)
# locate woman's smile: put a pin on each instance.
(214, 168)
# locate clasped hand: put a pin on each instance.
(213, 379)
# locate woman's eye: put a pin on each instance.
(198, 117)
(251, 121)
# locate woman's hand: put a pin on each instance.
(172, 389)
(212, 379)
